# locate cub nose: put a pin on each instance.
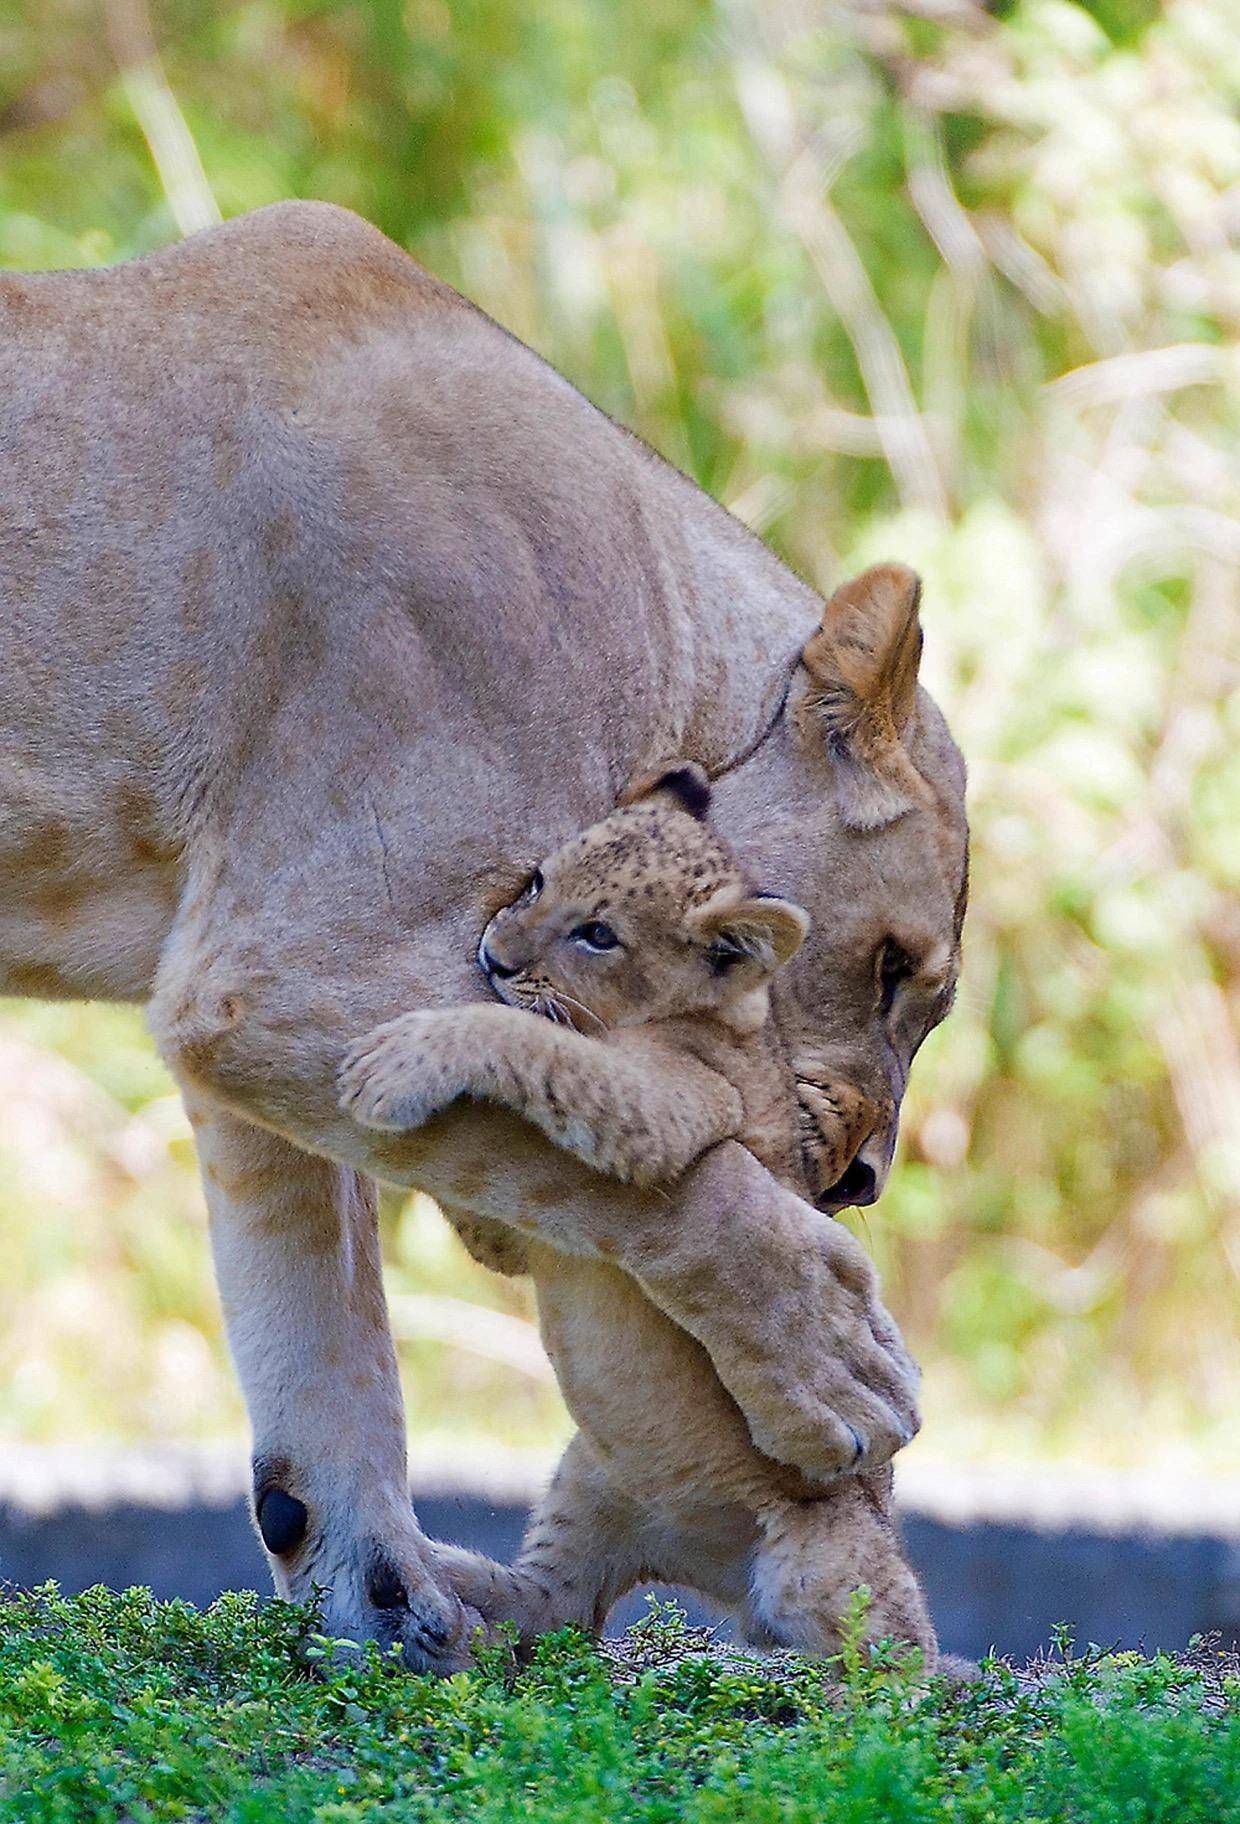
(492, 966)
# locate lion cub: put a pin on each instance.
(651, 960)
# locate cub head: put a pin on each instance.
(644, 916)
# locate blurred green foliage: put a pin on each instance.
(927, 280)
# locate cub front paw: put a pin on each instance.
(396, 1078)
(641, 1163)
(643, 1151)
(634, 1154)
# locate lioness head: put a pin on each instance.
(644, 916)
(854, 806)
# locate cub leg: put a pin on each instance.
(612, 1103)
(580, 1553)
(296, 1250)
(812, 1555)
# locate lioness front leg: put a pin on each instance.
(296, 1249)
(784, 1300)
(615, 1107)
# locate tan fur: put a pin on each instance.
(324, 604)
(673, 1053)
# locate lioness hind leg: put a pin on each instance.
(580, 1553)
(499, 1593)
(814, 1555)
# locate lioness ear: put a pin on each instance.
(686, 783)
(763, 933)
(863, 661)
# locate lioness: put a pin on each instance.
(642, 940)
(325, 603)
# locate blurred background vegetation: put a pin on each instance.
(932, 281)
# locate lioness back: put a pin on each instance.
(261, 458)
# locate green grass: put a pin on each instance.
(115, 1707)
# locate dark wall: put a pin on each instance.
(990, 1585)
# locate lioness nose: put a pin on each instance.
(493, 966)
(856, 1186)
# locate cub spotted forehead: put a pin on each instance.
(655, 846)
(646, 851)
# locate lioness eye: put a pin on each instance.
(533, 886)
(595, 935)
(894, 967)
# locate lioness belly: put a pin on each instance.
(96, 708)
(89, 855)
(85, 898)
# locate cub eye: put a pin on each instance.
(894, 967)
(595, 935)
(533, 887)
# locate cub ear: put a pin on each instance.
(763, 933)
(685, 782)
(863, 661)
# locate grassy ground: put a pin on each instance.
(114, 1707)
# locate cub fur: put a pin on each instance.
(650, 959)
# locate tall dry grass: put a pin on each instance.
(926, 280)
